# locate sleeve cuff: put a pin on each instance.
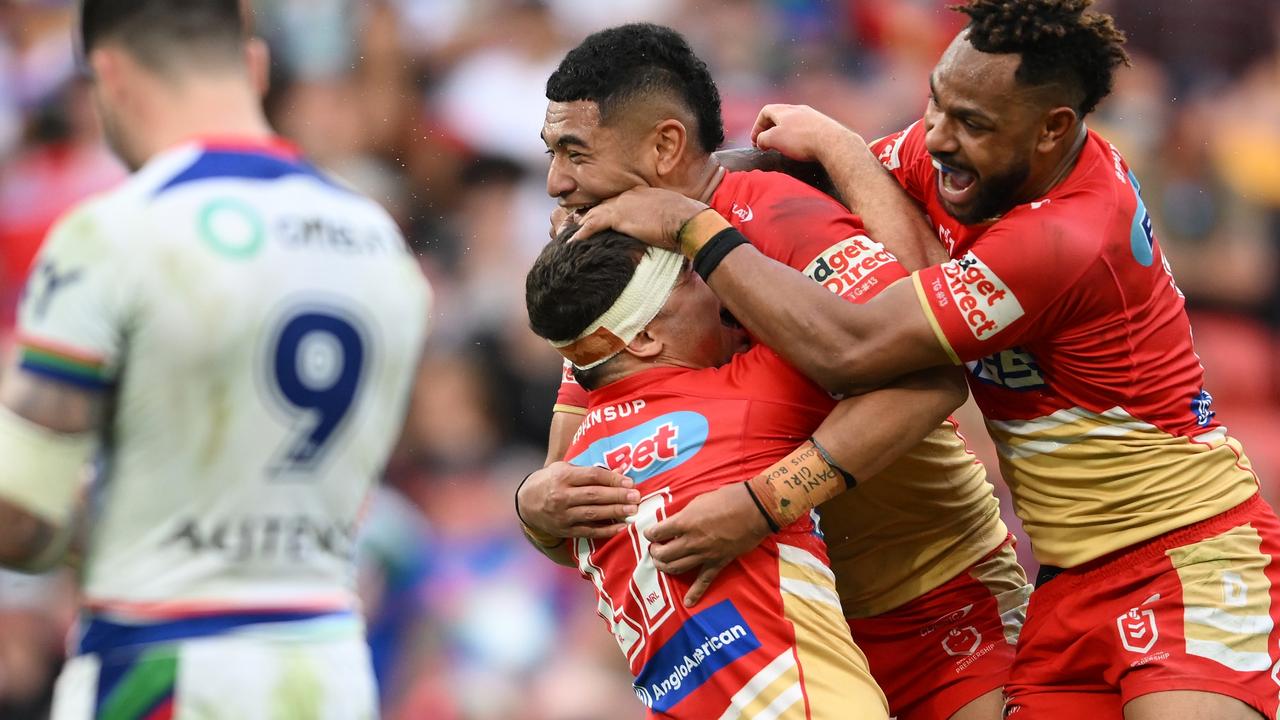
(923, 297)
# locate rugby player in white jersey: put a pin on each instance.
(235, 336)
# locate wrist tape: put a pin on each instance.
(799, 482)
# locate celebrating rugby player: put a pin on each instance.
(926, 572)
(1158, 592)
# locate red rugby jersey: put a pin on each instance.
(1080, 355)
(931, 513)
(679, 433)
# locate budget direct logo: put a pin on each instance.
(707, 642)
(648, 449)
(848, 267)
(981, 297)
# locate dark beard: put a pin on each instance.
(996, 196)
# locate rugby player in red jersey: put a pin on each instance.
(1159, 590)
(925, 571)
(669, 408)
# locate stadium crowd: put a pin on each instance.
(433, 107)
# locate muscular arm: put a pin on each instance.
(866, 433)
(859, 179)
(843, 347)
(889, 214)
(863, 435)
(563, 426)
(810, 173)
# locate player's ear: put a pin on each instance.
(257, 59)
(644, 346)
(1057, 123)
(110, 69)
(669, 140)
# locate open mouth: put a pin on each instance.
(577, 210)
(955, 185)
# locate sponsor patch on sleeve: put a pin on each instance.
(982, 299)
(855, 268)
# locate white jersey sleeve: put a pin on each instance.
(76, 303)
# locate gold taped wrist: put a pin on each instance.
(697, 230)
(41, 470)
(541, 539)
(797, 484)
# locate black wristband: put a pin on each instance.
(773, 527)
(849, 480)
(715, 250)
(517, 497)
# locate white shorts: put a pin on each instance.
(234, 676)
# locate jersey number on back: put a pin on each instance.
(317, 364)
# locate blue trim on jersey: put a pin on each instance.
(244, 165)
(62, 376)
(99, 635)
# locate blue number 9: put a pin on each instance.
(318, 362)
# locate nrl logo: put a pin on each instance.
(1138, 630)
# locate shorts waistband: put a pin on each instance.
(99, 635)
(1053, 582)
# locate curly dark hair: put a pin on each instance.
(1060, 44)
(616, 65)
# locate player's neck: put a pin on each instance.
(221, 107)
(1064, 165)
(699, 179)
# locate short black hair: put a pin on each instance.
(616, 65)
(158, 31)
(573, 283)
(1059, 43)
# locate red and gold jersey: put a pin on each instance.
(1080, 356)
(679, 433)
(932, 513)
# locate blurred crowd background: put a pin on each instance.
(434, 108)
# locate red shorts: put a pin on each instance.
(1194, 609)
(951, 645)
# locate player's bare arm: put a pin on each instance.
(846, 348)
(863, 435)
(754, 158)
(563, 501)
(47, 433)
(803, 134)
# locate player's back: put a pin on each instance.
(258, 327)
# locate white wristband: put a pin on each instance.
(41, 470)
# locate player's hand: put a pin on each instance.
(652, 215)
(706, 535)
(799, 132)
(560, 217)
(568, 501)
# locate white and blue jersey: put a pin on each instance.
(257, 327)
